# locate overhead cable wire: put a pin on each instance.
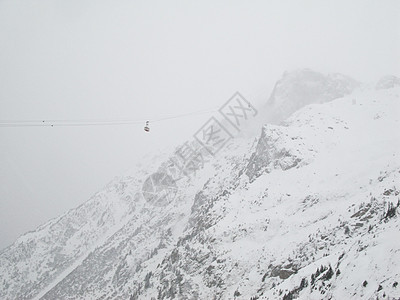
(93, 122)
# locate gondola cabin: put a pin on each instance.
(146, 127)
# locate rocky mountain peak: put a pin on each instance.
(387, 82)
(304, 86)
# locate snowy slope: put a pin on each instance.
(39, 257)
(318, 192)
(324, 191)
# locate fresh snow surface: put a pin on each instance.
(301, 212)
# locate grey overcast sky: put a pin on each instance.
(120, 59)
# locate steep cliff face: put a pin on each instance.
(307, 210)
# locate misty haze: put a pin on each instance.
(199, 150)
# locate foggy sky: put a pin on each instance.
(148, 59)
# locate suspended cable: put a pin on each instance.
(98, 122)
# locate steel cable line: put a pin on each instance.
(98, 122)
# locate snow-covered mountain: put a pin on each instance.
(303, 87)
(388, 82)
(308, 209)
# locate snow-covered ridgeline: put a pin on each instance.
(257, 221)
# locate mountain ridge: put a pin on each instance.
(215, 232)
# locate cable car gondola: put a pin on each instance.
(147, 128)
